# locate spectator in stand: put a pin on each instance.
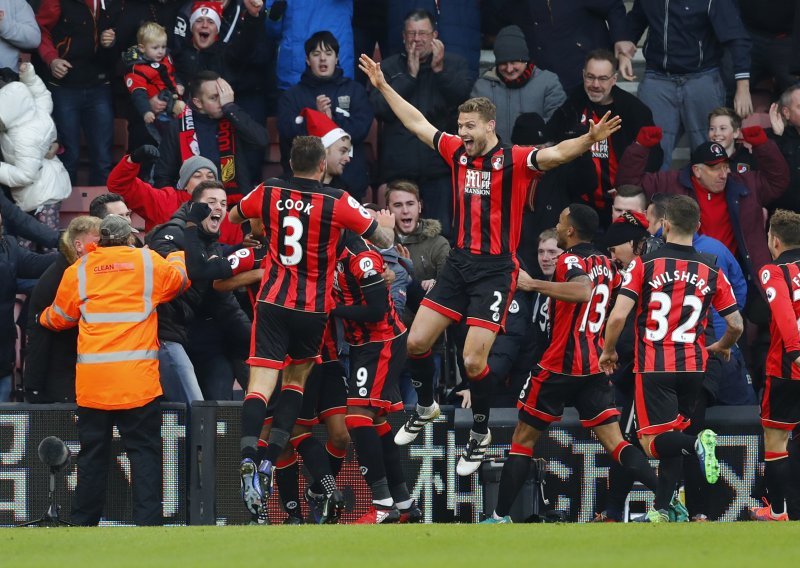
(107, 204)
(202, 332)
(324, 87)
(15, 262)
(151, 75)
(215, 127)
(78, 56)
(292, 23)
(49, 372)
(516, 85)
(730, 203)
(435, 82)
(725, 128)
(18, 31)
(157, 206)
(205, 50)
(598, 95)
(683, 52)
(785, 119)
(253, 75)
(770, 25)
(458, 23)
(427, 249)
(560, 34)
(628, 198)
(29, 166)
(570, 183)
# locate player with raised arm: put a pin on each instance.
(491, 182)
(673, 289)
(569, 373)
(303, 222)
(780, 405)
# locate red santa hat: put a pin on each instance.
(318, 124)
(211, 10)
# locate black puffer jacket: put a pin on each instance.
(15, 262)
(200, 301)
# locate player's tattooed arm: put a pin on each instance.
(383, 237)
(614, 326)
(578, 289)
(568, 150)
(722, 347)
(411, 118)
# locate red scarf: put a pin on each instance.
(226, 141)
(520, 81)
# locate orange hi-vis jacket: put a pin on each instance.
(111, 294)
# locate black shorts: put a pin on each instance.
(375, 370)
(545, 395)
(282, 336)
(665, 401)
(325, 395)
(780, 405)
(479, 288)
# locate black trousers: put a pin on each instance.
(140, 429)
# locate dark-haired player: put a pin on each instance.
(490, 185)
(673, 289)
(569, 372)
(303, 223)
(780, 405)
(377, 339)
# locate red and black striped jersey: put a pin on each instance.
(245, 260)
(489, 193)
(361, 266)
(576, 329)
(304, 222)
(674, 287)
(605, 161)
(781, 283)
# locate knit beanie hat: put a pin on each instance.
(190, 166)
(510, 45)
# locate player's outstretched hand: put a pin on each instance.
(715, 349)
(372, 70)
(605, 127)
(385, 219)
(608, 362)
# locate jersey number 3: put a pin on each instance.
(292, 241)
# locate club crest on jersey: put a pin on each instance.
(742, 168)
(463, 160)
(477, 182)
(497, 162)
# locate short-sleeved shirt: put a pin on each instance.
(781, 283)
(304, 223)
(361, 266)
(489, 193)
(576, 329)
(674, 287)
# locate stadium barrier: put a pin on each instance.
(201, 456)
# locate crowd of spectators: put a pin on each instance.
(196, 82)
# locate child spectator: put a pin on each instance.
(151, 73)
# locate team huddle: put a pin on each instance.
(322, 260)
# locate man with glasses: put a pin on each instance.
(599, 95)
(434, 82)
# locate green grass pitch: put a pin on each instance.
(428, 546)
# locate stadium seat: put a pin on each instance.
(78, 204)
